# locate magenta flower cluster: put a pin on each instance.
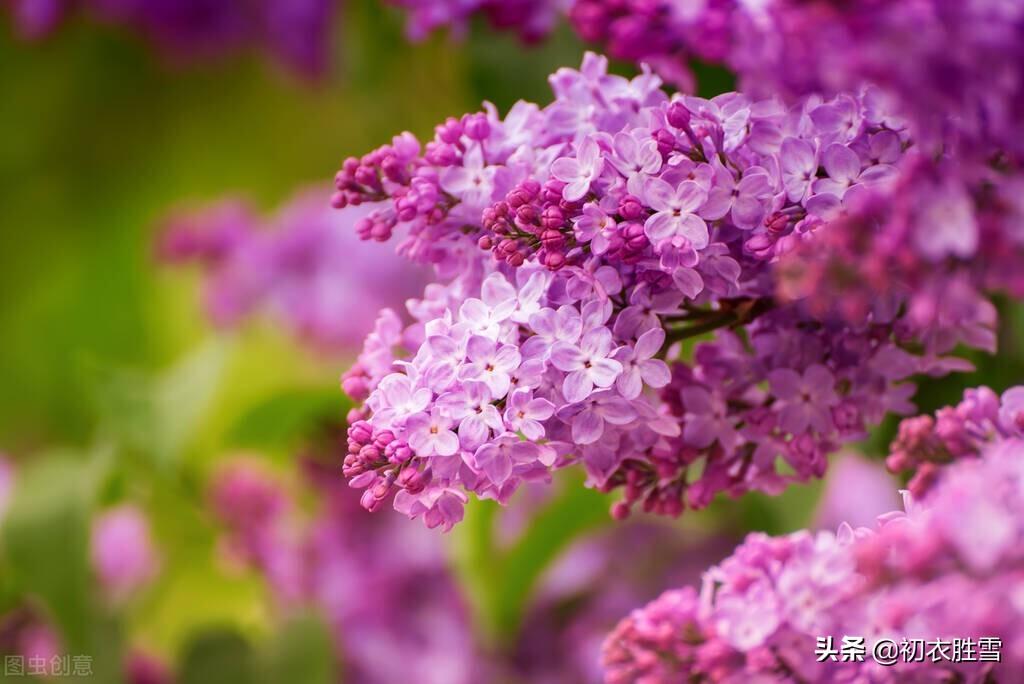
(344, 566)
(403, 617)
(947, 568)
(531, 19)
(303, 267)
(576, 244)
(936, 57)
(297, 33)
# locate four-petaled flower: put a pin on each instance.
(639, 365)
(675, 212)
(588, 365)
(430, 434)
(579, 171)
(524, 413)
(804, 400)
(490, 363)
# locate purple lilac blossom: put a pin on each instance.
(924, 445)
(531, 19)
(122, 550)
(621, 221)
(935, 57)
(395, 618)
(947, 568)
(297, 33)
(305, 266)
(403, 617)
(857, 491)
(6, 483)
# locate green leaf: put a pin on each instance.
(218, 655)
(157, 414)
(500, 581)
(46, 543)
(301, 652)
(287, 417)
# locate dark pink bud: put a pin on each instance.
(552, 217)
(450, 131)
(552, 239)
(630, 208)
(620, 510)
(476, 126)
(678, 115)
(554, 260)
(526, 214)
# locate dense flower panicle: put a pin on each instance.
(297, 33)
(122, 550)
(305, 266)
(936, 57)
(619, 221)
(950, 567)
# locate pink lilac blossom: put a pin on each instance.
(304, 266)
(621, 221)
(123, 555)
(947, 568)
(297, 33)
(924, 445)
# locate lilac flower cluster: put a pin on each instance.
(397, 617)
(305, 267)
(937, 57)
(622, 221)
(531, 19)
(296, 32)
(393, 621)
(924, 444)
(123, 555)
(948, 568)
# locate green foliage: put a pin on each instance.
(157, 414)
(500, 580)
(300, 652)
(286, 418)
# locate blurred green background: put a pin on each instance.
(111, 383)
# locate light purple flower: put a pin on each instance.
(744, 201)
(799, 168)
(588, 365)
(707, 419)
(431, 434)
(490, 363)
(589, 416)
(476, 414)
(675, 212)
(639, 367)
(805, 400)
(636, 159)
(579, 171)
(524, 413)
